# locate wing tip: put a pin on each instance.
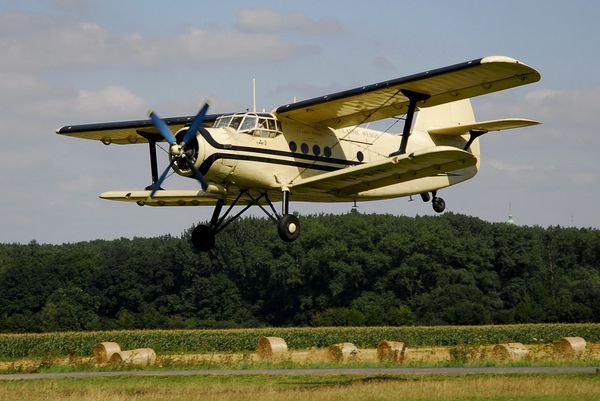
(533, 74)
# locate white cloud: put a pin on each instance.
(577, 108)
(24, 96)
(268, 20)
(68, 44)
(112, 100)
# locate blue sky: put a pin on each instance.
(71, 61)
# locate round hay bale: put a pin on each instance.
(104, 351)
(570, 346)
(510, 351)
(391, 351)
(136, 357)
(270, 348)
(342, 352)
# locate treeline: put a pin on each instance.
(348, 269)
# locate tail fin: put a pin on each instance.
(444, 115)
(447, 115)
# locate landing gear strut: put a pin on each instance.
(288, 225)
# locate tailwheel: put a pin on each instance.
(203, 238)
(438, 204)
(288, 227)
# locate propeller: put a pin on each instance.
(177, 150)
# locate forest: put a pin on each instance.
(344, 270)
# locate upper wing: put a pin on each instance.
(388, 171)
(128, 132)
(385, 99)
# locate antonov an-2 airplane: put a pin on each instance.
(316, 150)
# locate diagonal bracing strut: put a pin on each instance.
(413, 99)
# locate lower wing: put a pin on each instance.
(388, 171)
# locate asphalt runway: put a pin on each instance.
(310, 372)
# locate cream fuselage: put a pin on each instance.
(233, 160)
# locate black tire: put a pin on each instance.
(288, 227)
(438, 204)
(203, 238)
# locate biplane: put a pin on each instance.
(320, 149)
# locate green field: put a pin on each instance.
(245, 340)
(298, 388)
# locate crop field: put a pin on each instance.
(184, 349)
(14, 346)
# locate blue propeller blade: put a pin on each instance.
(166, 133)
(157, 184)
(162, 127)
(196, 123)
(197, 173)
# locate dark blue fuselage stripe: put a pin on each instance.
(206, 135)
(207, 164)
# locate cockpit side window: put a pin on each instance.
(222, 121)
(235, 122)
(248, 124)
(263, 125)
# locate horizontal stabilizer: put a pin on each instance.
(483, 126)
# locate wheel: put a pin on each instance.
(203, 238)
(438, 204)
(288, 227)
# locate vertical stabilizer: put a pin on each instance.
(447, 115)
(444, 115)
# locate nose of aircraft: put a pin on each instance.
(181, 153)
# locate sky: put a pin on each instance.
(67, 62)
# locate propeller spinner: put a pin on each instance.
(178, 151)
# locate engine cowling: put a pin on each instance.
(192, 149)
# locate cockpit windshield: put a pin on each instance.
(257, 124)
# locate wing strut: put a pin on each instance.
(473, 134)
(153, 161)
(413, 98)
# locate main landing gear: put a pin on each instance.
(439, 205)
(288, 225)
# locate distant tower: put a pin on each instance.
(510, 217)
